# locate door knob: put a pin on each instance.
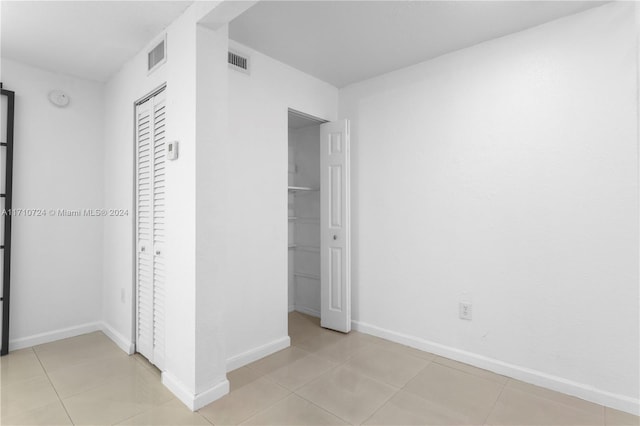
(143, 248)
(158, 252)
(335, 237)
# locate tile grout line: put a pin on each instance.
(417, 374)
(343, 364)
(101, 359)
(493, 407)
(315, 379)
(397, 391)
(367, 345)
(399, 388)
(289, 393)
(46, 373)
(431, 361)
(402, 388)
(152, 408)
(469, 372)
(135, 415)
(403, 349)
(264, 409)
(510, 379)
(335, 367)
(322, 408)
(270, 405)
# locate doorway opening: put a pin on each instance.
(319, 216)
(304, 262)
(150, 230)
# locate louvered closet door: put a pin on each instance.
(159, 163)
(150, 228)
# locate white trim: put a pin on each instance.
(255, 354)
(212, 394)
(560, 384)
(292, 308)
(65, 333)
(123, 343)
(308, 311)
(51, 336)
(192, 401)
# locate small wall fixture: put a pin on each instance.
(59, 98)
(172, 150)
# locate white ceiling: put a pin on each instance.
(88, 39)
(342, 42)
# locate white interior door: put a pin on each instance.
(335, 222)
(150, 227)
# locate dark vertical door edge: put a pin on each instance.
(6, 273)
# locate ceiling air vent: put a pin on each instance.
(238, 61)
(157, 56)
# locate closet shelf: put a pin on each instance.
(294, 189)
(292, 246)
(312, 249)
(305, 275)
(293, 218)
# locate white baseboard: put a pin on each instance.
(123, 343)
(560, 384)
(65, 333)
(255, 354)
(52, 336)
(194, 401)
(292, 308)
(307, 311)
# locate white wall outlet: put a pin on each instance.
(123, 296)
(466, 310)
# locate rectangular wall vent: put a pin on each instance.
(157, 56)
(238, 61)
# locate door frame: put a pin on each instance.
(305, 115)
(134, 218)
(8, 196)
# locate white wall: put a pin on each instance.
(195, 357)
(56, 263)
(121, 91)
(507, 174)
(212, 206)
(256, 313)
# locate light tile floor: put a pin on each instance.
(323, 378)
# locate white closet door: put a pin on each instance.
(150, 228)
(335, 222)
(144, 212)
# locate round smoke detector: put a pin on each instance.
(59, 98)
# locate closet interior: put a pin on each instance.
(304, 214)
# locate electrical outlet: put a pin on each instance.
(123, 296)
(466, 310)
